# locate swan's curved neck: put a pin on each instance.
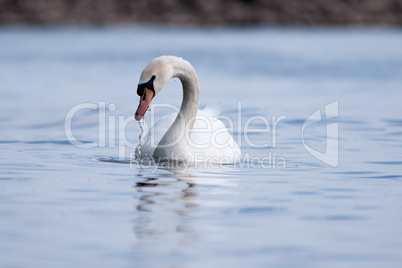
(174, 144)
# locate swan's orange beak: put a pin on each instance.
(145, 100)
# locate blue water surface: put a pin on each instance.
(62, 205)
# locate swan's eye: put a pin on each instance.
(149, 85)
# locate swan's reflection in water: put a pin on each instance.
(166, 202)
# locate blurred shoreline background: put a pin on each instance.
(201, 12)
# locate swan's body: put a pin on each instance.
(172, 138)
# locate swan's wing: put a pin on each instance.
(210, 137)
(212, 110)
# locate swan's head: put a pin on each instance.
(153, 78)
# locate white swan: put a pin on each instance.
(173, 138)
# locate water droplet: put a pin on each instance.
(138, 148)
